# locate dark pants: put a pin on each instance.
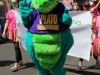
(18, 54)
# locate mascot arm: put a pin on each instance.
(66, 18)
(25, 12)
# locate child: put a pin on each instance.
(86, 7)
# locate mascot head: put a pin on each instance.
(44, 6)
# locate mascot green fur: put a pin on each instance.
(48, 38)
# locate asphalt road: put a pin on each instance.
(7, 58)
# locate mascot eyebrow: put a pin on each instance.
(48, 38)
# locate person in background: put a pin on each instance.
(5, 5)
(80, 2)
(91, 2)
(94, 10)
(68, 4)
(10, 28)
(86, 7)
(75, 7)
(2, 21)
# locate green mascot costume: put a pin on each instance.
(48, 38)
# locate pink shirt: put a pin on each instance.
(95, 11)
(11, 18)
(98, 25)
(12, 31)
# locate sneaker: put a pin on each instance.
(79, 68)
(97, 65)
(14, 68)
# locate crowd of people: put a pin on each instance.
(71, 5)
(78, 5)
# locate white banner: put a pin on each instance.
(81, 30)
(20, 28)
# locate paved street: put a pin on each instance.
(7, 58)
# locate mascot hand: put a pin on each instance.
(66, 18)
(26, 9)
